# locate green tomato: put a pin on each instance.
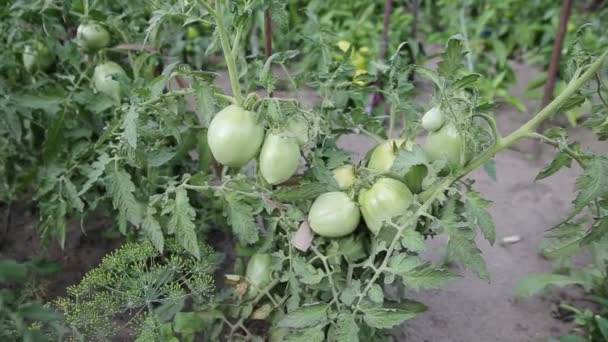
(386, 199)
(36, 56)
(279, 158)
(106, 79)
(234, 136)
(445, 143)
(433, 119)
(345, 176)
(297, 128)
(333, 214)
(258, 273)
(192, 32)
(92, 36)
(382, 159)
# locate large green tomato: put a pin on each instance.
(279, 158)
(382, 159)
(345, 176)
(386, 199)
(36, 56)
(333, 214)
(106, 78)
(433, 119)
(92, 36)
(445, 143)
(258, 273)
(297, 128)
(234, 136)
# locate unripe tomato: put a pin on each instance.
(92, 36)
(433, 119)
(258, 273)
(36, 56)
(297, 128)
(106, 79)
(445, 143)
(345, 176)
(192, 32)
(234, 136)
(333, 214)
(383, 157)
(279, 158)
(343, 45)
(386, 199)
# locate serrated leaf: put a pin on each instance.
(152, 230)
(206, 105)
(451, 58)
(96, 171)
(536, 283)
(182, 223)
(72, 195)
(463, 249)
(349, 293)
(241, 218)
(306, 272)
(412, 240)
(602, 324)
(12, 271)
(129, 125)
(304, 192)
(476, 213)
(313, 334)
(465, 81)
(388, 316)
(562, 241)
(121, 188)
(596, 233)
(376, 294)
(561, 159)
(405, 159)
(593, 183)
(305, 316)
(323, 174)
(347, 329)
(419, 275)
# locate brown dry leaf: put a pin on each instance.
(303, 237)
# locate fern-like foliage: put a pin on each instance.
(135, 281)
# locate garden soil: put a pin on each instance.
(467, 310)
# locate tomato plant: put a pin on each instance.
(333, 214)
(92, 36)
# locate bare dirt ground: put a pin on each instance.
(468, 309)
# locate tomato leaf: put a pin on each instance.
(347, 329)
(597, 232)
(129, 125)
(304, 192)
(477, 215)
(388, 316)
(206, 105)
(182, 223)
(307, 273)
(152, 229)
(312, 334)
(417, 274)
(121, 188)
(305, 316)
(561, 159)
(241, 217)
(593, 183)
(451, 58)
(535, 283)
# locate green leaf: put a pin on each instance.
(465, 81)
(561, 159)
(241, 217)
(307, 273)
(405, 159)
(419, 275)
(602, 324)
(182, 223)
(303, 192)
(593, 183)
(463, 249)
(129, 125)
(388, 316)
(376, 294)
(152, 230)
(305, 316)
(347, 329)
(72, 195)
(573, 338)
(451, 58)
(12, 271)
(536, 283)
(49, 103)
(477, 215)
(312, 334)
(596, 233)
(93, 175)
(122, 189)
(187, 323)
(206, 105)
(490, 168)
(37, 312)
(412, 240)
(562, 241)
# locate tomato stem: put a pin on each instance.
(228, 51)
(530, 127)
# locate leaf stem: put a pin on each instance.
(557, 144)
(228, 55)
(530, 127)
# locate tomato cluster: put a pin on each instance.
(336, 214)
